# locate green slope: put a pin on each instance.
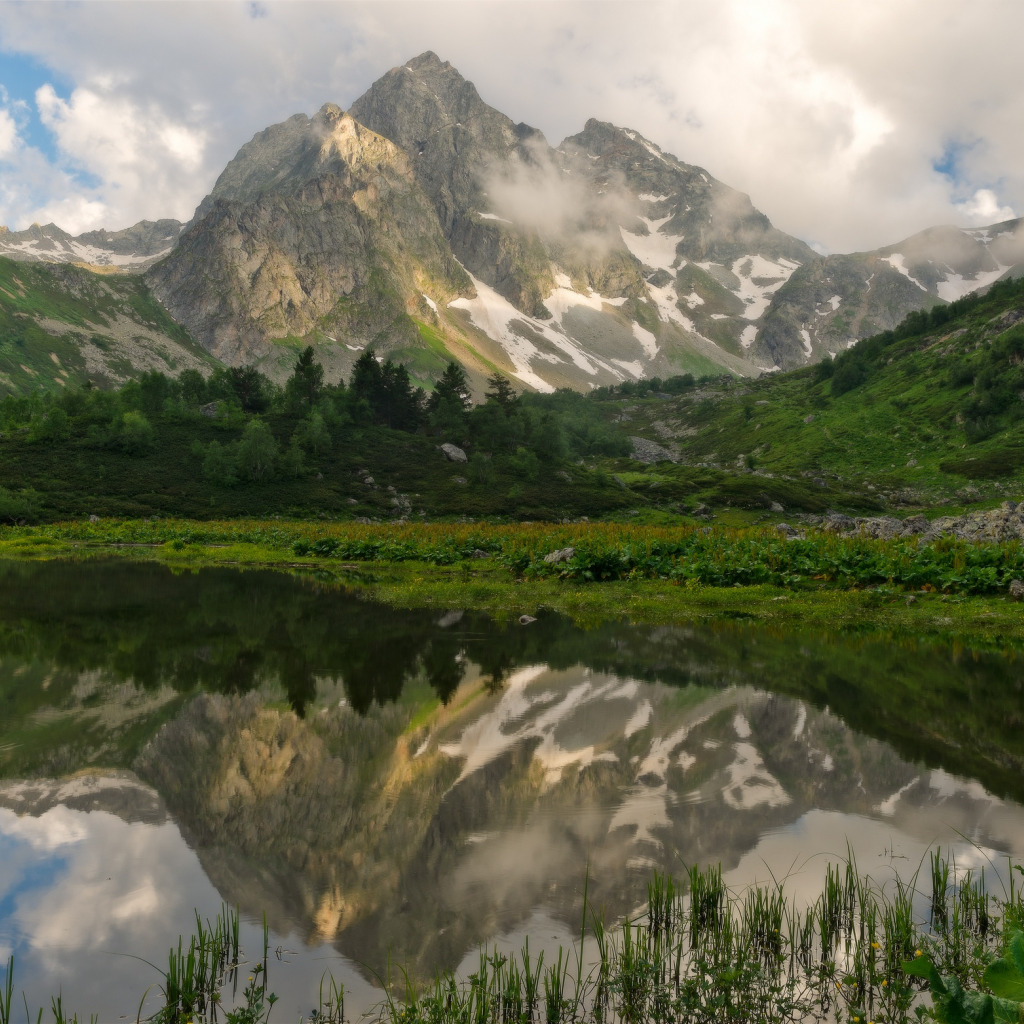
(63, 325)
(927, 415)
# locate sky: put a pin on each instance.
(851, 125)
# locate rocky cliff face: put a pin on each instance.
(317, 230)
(456, 142)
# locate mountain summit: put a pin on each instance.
(316, 231)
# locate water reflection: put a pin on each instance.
(412, 784)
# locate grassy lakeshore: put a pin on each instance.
(949, 591)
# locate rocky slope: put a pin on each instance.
(832, 302)
(317, 230)
(134, 248)
(62, 325)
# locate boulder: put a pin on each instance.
(561, 555)
(650, 452)
(453, 453)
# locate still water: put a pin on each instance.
(413, 784)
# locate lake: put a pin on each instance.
(404, 786)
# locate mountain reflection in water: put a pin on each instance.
(413, 784)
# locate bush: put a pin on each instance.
(18, 506)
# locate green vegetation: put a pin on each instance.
(52, 315)
(235, 444)
(698, 953)
(925, 416)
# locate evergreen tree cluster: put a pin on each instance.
(267, 431)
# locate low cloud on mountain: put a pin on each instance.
(549, 198)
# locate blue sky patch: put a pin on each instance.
(950, 163)
(20, 77)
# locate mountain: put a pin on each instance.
(926, 415)
(429, 225)
(62, 325)
(831, 303)
(316, 231)
(605, 250)
(134, 248)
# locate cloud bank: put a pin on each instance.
(850, 126)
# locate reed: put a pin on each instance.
(699, 954)
(7, 992)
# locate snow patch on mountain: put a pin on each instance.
(898, 262)
(73, 251)
(502, 322)
(666, 300)
(748, 336)
(563, 298)
(805, 337)
(648, 342)
(956, 286)
(655, 250)
(634, 368)
(760, 278)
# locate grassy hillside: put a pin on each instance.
(62, 325)
(927, 416)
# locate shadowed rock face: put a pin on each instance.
(833, 301)
(318, 225)
(455, 142)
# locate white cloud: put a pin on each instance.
(983, 208)
(139, 153)
(831, 116)
(8, 134)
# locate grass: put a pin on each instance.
(646, 573)
(698, 952)
(85, 304)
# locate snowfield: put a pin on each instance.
(499, 319)
(655, 250)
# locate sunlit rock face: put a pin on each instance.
(316, 227)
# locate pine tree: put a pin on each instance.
(500, 390)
